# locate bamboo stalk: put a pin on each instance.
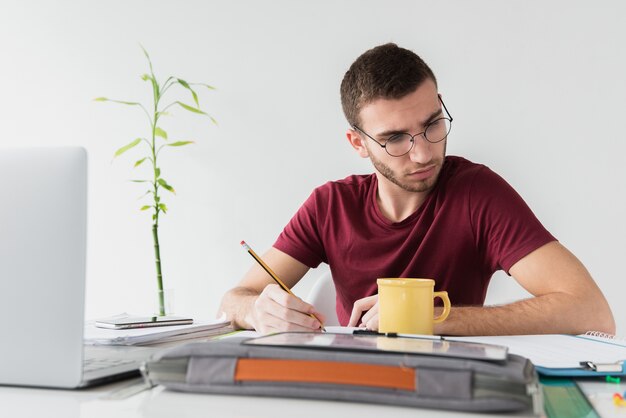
(157, 256)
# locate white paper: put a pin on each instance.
(341, 330)
(95, 335)
(557, 351)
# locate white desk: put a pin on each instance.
(159, 403)
(600, 394)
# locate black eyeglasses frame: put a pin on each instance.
(423, 133)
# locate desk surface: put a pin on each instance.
(159, 403)
(600, 394)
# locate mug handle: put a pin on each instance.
(446, 306)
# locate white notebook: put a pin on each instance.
(557, 351)
(101, 336)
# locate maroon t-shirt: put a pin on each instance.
(470, 225)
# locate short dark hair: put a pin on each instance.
(386, 71)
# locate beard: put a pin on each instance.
(400, 180)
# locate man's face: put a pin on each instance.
(418, 170)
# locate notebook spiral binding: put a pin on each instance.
(604, 335)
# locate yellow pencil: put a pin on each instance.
(275, 277)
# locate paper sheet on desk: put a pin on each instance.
(94, 335)
(341, 330)
(557, 351)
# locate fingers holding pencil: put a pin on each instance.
(278, 311)
(288, 294)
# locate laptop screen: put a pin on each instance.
(43, 227)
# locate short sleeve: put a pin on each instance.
(505, 228)
(301, 238)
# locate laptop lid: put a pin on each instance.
(43, 229)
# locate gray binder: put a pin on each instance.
(232, 366)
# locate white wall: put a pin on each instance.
(537, 90)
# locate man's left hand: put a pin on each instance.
(369, 305)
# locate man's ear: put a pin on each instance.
(356, 142)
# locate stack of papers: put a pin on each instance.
(152, 335)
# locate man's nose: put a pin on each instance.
(421, 152)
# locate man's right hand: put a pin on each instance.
(275, 310)
(258, 302)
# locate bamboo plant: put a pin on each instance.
(157, 142)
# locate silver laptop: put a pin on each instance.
(43, 236)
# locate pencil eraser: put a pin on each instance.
(243, 243)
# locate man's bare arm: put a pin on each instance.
(258, 303)
(566, 301)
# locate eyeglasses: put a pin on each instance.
(402, 143)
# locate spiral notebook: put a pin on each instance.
(590, 354)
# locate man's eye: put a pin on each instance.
(435, 123)
(396, 138)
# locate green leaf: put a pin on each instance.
(163, 207)
(179, 143)
(155, 85)
(166, 186)
(149, 61)
(205, 85)
(145, 207)
(145, 52)
(193, 93)
(160, 132)
(146, 77)
(126, 103)
(190, 108)
(104, 99)
(138, 162)
(194, 110)
(127, 147)
(145, 194)
(157, 172)
(140, 181)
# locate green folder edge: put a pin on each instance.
(563, 398)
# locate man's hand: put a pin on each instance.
(258, 303)
(277, 311)
(370, 319)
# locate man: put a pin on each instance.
(421, 214)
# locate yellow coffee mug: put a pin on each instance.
(407, 305)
